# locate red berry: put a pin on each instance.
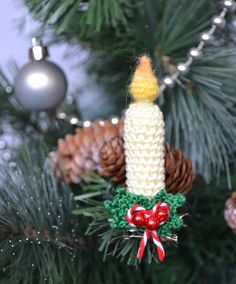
(162, 215)
(151, 223)
(138, 219)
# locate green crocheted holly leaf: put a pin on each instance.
(123, 201)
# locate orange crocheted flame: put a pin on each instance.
(144, 84)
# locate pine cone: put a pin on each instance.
(230, 212)
(78, 154)
(100, 148)
(179, 174)
(112, 160)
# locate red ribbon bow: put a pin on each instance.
(138, 216)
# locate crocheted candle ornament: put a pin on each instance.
(145, 207)
(144, 134)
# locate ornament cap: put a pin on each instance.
(144, 84)
(38, 51)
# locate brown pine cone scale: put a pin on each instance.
(112, 160)
(179, 174)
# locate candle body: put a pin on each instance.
(144, 148)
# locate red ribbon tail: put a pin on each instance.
(161, 255)
(141, 249)
(142, 244)
(159, 247)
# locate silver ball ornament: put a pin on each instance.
(40, 84)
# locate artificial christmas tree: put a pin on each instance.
(192, 46)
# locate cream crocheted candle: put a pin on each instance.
(144, 134)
